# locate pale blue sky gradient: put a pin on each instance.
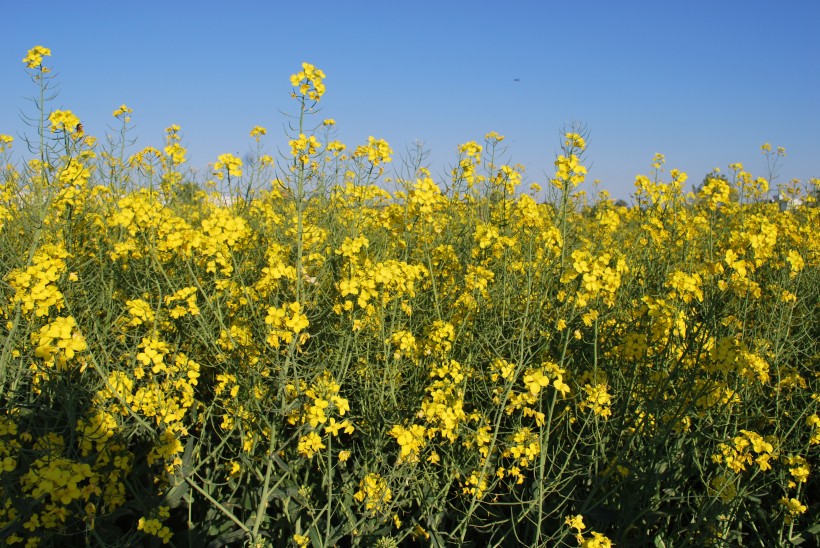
(704, 82)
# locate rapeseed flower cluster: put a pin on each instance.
(323, 358)
(309, 81)
(64, 120)
(229, 163)
(34, 57)
(373, 493)
(377, 151)
(470, 159)
(304, 147)
(5, 143)
(569, 172)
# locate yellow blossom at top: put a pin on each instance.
(471, 149)
(376, 150)
(335, 148)
(658, 160)
(576, 522)
(229, 162)
(64, 120)
(123, 110)
(596, 541)
(5, 142)
(258, 131)
(766, 148)
(469, 160)
(34, 57)
(575, 140)
(309, 82)
(374, 492)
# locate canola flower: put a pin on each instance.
(569, 172)
(123, 112)
(64, 120)
(34, 57)
(229, 163)
(5, 142)
(373, 493)
(376, 151)
(343, 362)
(309, 82)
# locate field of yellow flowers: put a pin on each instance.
(290, 355)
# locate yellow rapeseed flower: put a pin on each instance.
(374, 492)
(576, 522)
(793, 508)
(309, 444)
(376, 151)
(229, 162)
(309, 82)
(5, 142)
(64, 120)
(34, 57)
(123, 111)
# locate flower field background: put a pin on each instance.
(290, 354)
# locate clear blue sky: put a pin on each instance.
(704, 82)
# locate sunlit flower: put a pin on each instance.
(34, 57)
(309, 82)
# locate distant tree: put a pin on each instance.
(188, 193)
